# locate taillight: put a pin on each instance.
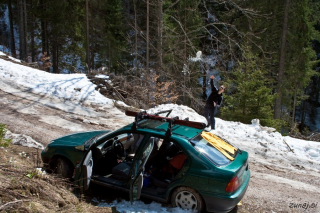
(233, 185)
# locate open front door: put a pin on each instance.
(87, 170)
(136, 181)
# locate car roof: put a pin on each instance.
(158, 127)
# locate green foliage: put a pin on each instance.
(263, 29)
(249, 95)
(35, 173)
(3, 142)
(107, 33)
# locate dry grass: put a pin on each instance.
(24, 189)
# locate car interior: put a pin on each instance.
(113, 161)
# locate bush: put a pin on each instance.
(3, 142)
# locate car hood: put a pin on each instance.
(76, 138)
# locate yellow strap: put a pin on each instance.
(219, 144)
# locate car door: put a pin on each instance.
(139, 162)
(87, 170)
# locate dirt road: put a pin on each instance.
(273, 188)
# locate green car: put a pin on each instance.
(163, 159)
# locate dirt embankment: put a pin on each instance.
(24, 188)
(272, 188)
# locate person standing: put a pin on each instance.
(214, 100)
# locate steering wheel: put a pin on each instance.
(118, 149)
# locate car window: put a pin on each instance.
(151, 124)
(210, 152)
(126, 139)
(134, 144)
(139, 162)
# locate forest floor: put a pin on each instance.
(272, 188)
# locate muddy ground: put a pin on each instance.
(272, 188)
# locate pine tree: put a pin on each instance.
(249, 94)
(300, 58)
(266, 31)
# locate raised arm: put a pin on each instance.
(213, 88)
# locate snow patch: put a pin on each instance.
(23, 140)
(139, 206)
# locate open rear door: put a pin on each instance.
(87, 170)
(136, 181)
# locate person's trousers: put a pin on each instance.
(209, 112)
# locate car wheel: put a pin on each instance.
(234, 210)
(64, 168)
(187, 198)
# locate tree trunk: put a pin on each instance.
(303, 113)
(277, 106)
(159, 43)
(44, 30)
(294, 105)
(147, 54)
(23, 55)
(135, 37)
(55, 64)
(147, 38)
(12, 40)
(88, 39)
(25, 28)
(92, 56)
(33, 50)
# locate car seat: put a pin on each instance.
(167, 151)
(121, 171)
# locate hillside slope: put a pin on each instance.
(274, 186)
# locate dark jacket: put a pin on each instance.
(214, 96)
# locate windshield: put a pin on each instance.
(92, 140)
(210, 152)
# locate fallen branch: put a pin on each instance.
(288, 146)
(15, 194)
(268, 167)
(116, 91)
(314, 136)
(12, 204)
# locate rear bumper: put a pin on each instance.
(223, 205)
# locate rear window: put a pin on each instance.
(151, 124)
(210, 152)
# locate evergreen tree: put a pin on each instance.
(266, 30)
(300, 58)
(249, 93)
(307, 112)
(107, 30)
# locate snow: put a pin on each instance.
(73, 87)
(263, 143)
(139, 206)
(178, 110)
(23, 140)
(197, 58)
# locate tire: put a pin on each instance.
(187, 198)
(64, 168)
(234, 210)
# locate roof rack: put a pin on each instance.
(172, 121)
